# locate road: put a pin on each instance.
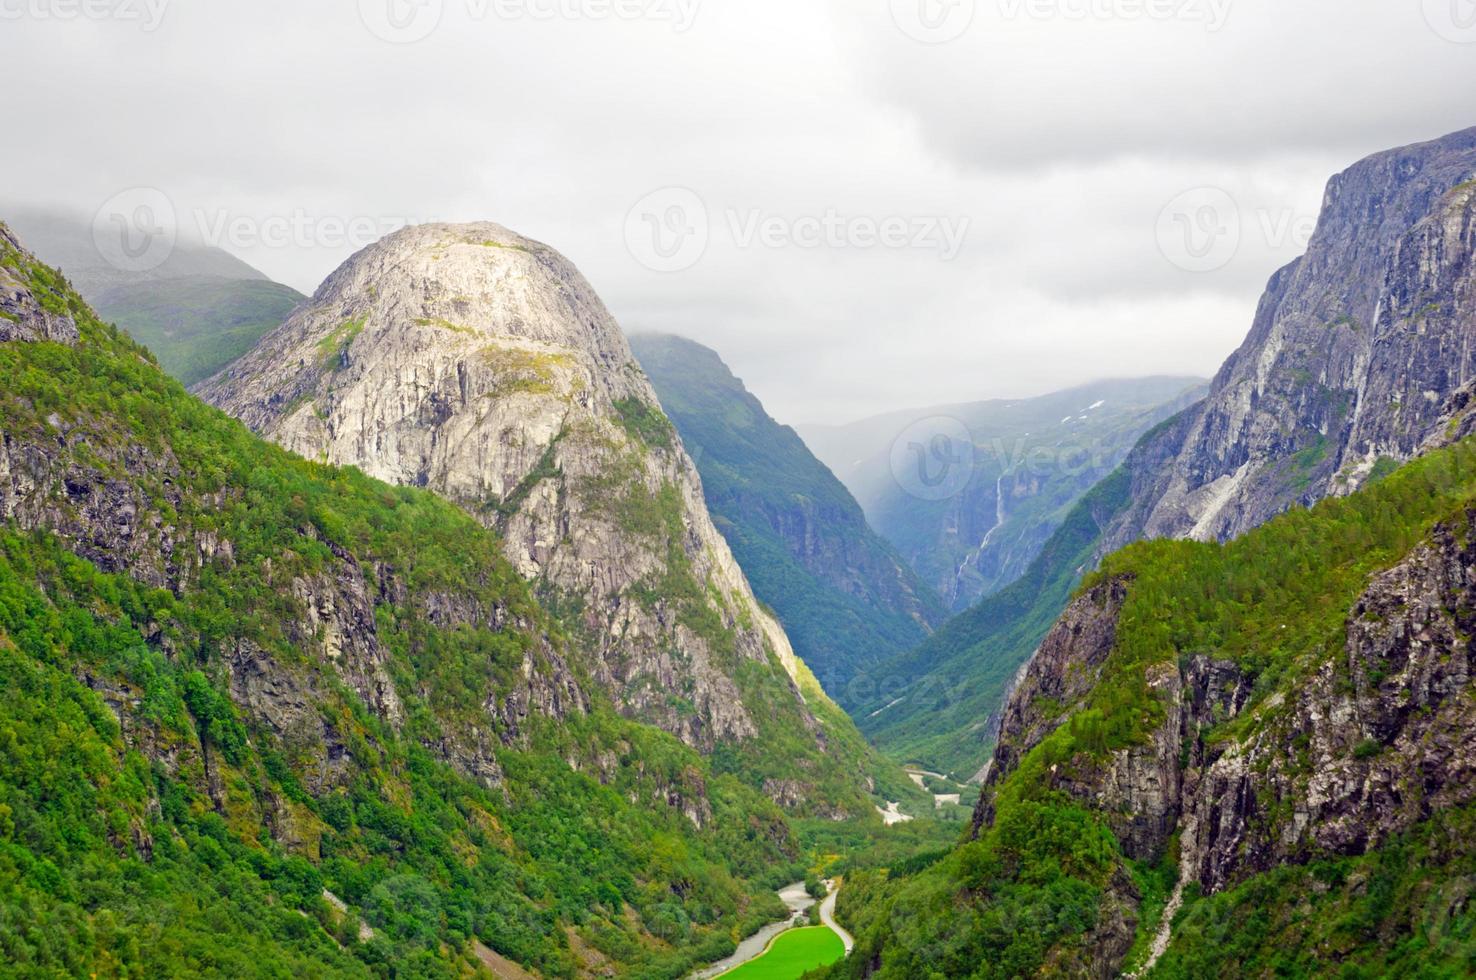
(799, 902)
(827, 916)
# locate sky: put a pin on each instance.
(863, 205)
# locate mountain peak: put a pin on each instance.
(480, 364)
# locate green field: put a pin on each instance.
(791, 954)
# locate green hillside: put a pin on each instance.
(234, 679)
(960, 674)
(1048, 884)
(845, 597)
(197, 325)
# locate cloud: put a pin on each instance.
(1062, 146)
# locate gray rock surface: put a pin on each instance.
(1361, 350)
(481, 364)
(22, 316)
(1374, 742)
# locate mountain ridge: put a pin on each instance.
(269, 716)
(1252, 722)
(200, 309)
(480, 364)
(846, 599)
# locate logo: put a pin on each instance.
(667, 230)
(933, 459)
(135, 231)
(1454, 20)
(1199, 231)
(933, 21)
(401, 21)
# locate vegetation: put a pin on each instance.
(333, 348)
(952, 683)
(846, 599)
(644, 423)
(154, 822)
(1403, 910)
(199, 324)
(1030, 889)
(791, 954)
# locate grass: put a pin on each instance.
(792, 954)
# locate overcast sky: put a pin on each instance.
(861, 204)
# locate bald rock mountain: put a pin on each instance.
(480, 364)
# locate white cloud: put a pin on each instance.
(1060, 141)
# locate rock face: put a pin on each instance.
(22, 315)
(846, 598)
(121, 504)
(1361, 350)
(1375, 742)
(480, 364)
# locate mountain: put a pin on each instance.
(266, 716)
(845, 597)
(1360, 355)
(943, 712)
(1256, 754)
(1017, 467)
(481, 365)
(1251, 755)
(197, 311)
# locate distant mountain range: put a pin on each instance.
(844, 595)
(198, 311)
(971, 522)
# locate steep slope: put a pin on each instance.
(845, 597)
(1360, 356)
(938, 704)
(1027, 462)
(199, 310)
(231, 679)
(198, 325)
(480, 364)
(1274, 735)
(1361, 351)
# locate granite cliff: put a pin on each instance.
(1361, 352)
(481, 365)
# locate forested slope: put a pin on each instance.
(233, 678)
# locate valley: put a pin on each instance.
(431, 627)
